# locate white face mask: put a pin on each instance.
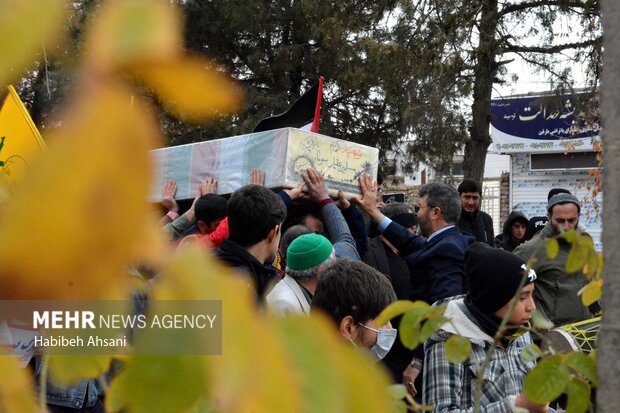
(385, 340)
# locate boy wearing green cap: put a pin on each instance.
(305, 257)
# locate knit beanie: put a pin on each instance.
(493, 276)
(563, 198)
(307, 251)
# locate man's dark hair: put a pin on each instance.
(290, 235)
(555, 191)
(210, 207)
(253, 211)
(396, 208)
(445, 197)
(352, 288)
(469, 185)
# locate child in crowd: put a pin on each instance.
(494, 276)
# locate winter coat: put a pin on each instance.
(556, 290)
(478, 224)
(505, 240)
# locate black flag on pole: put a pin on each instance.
(300, 114)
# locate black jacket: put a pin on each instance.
(478, 224)
(504, 240)
(244, 262)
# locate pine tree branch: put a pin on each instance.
(511, 8)
(551, 49)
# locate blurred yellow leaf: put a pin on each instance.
(553, 247)
(158, 384)
(590, 268)
(190, 87)
(592, 292)
(66, 370)
(310, 342)
(261, 353)
(80, 215)
(458, 349)
(366, 384)
(253, 360)
(26, 27)
(123, 32)
(577, 257)
(16, 389)
(570, 235)
(326, 366)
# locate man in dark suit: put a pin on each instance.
(435, 257)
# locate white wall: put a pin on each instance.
(528, 190)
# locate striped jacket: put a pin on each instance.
(452, 387)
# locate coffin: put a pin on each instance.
(282, 154)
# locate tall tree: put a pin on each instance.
(376, 93)
(420, 72)
(608, 398)
(478, 38)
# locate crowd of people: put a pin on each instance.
(302, 251)
(352, 258)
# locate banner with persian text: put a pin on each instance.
(544, 124)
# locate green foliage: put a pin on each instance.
(578, 396)
(419, 322)
(547, 380)
(397, 308)
(458, 349)
(431, 325)
(572, 373)
(409, 331)
(530, 353)
(584, 366)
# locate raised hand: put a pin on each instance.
(167, 197)
(368, 201)
(257, 177)
(206, 186)
(342, 202)
(315, 184)
(295, 193)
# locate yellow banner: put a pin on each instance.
(20, 141)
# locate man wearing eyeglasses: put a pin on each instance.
(557, 291)
(435, 255)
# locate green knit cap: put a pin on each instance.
(308, 251)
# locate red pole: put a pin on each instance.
(317, 110)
